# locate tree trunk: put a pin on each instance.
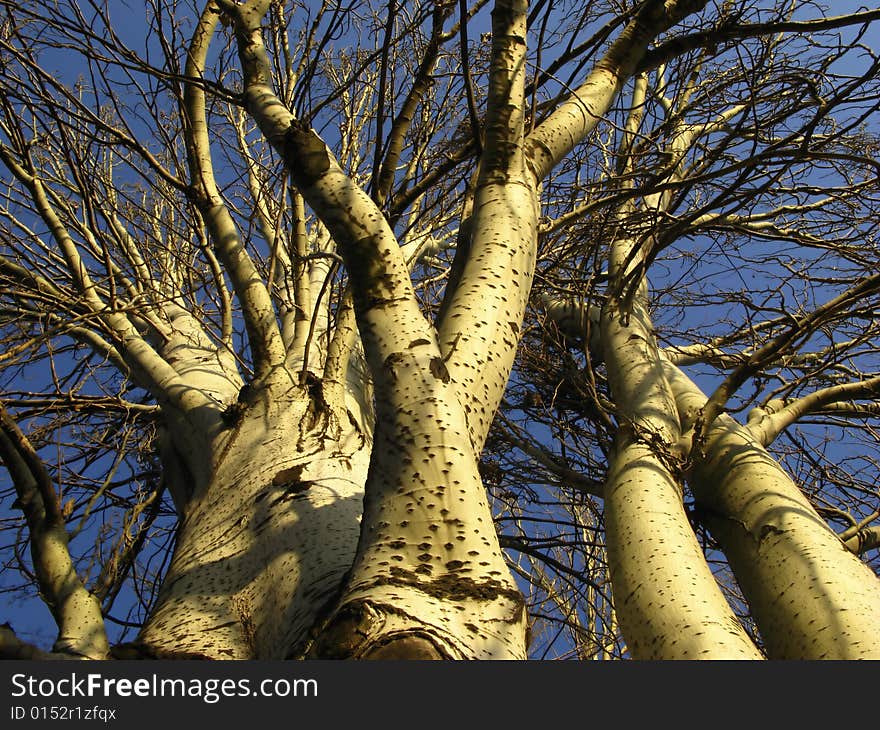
(665, 595)
(810, 596)
(430, 580)
(264, 548)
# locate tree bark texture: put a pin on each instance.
(812, 598)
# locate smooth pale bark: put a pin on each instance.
(479, 327)
(218, 453)
(264, 336)
(667, 600)
(195, 357)
(266, 539)
(265, 546)
(665, 596)
(76, 611)
(430, 580)
(552, 140)
(189, 438)
(810, 596)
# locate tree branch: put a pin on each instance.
(728, 32)
(11, 647)
(799, 329)
(766, 425)
(267, 348)
(403, 121)
(576, 117)
(381, 285)
(481, 317)
(76, 611)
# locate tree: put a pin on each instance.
(794, 572)
(268, 410)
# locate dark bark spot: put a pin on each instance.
(438, 369)
(306, 154)
(406, 647)
(341, 638)
(247, 393)
(455, 588)
(317, 407)
(298, 487)
(233, 414)
(285, 476)
(769, 530)
(136, 651)
(390, 363)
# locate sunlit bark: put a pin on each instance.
(811, 597)
(429, 579)
(231, 325)
(76, 611)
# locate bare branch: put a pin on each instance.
(76, 611)
(265, 338)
